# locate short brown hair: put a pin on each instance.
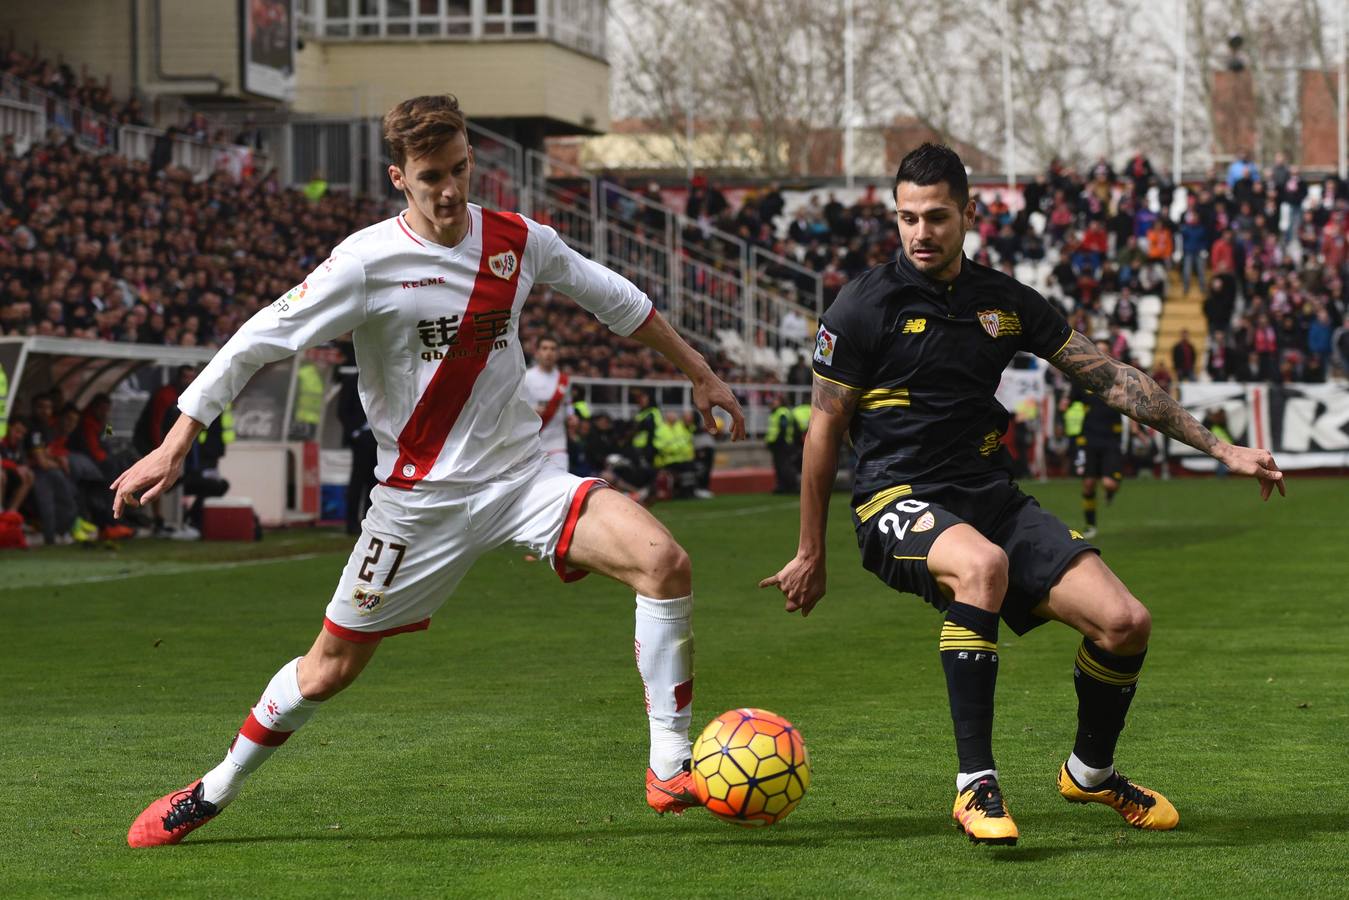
(421, 125)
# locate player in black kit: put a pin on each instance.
(1097, 451)
(907, 360)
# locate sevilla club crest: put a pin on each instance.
(990, 321)
(504, 264)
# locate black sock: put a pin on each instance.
(1089, 509)
(1109, 496)
(1105, 687)
(969, 656)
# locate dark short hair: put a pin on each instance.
(548, 337)
(931, 163)
(422, 125)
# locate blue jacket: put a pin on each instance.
(1194, 238)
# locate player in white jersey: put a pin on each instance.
(549, 389)
(433, 299)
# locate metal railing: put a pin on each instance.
(614, 397)
(761, 307)
(99, 133)
(25, 122)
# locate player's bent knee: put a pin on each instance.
(985, 566)
(1127, 628)
(667, 572)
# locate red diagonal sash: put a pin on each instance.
(555, 401)
(423, 437)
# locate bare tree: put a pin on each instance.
(1088, 78)
(772, 70)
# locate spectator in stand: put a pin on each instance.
(1119, 344)
(1161, 246)
(1126, 310)
(1139, 171)
(1222, 254)
(1183, 357)
(1265, 346)
(1193, 241)
(1219, 303)
(19, 476)
(1217, 356)
(1339, 344)
(53, 489)
(1241, 169)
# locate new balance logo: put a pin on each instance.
(423, 282)
(914, 326)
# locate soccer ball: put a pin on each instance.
(750, 767)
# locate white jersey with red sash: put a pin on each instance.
(436, 336)
(551, 391)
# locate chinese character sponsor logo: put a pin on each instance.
(474, 335)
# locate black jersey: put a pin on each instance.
(928, 358)
(1101, 425)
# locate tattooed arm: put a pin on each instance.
(802, 581)
(1137, 396)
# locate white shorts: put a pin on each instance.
(416, 545)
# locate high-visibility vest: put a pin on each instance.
(801, 413)
(781, 427)
(648, 421)
(1073, 417)
(674, 443)
(308, 394)
(581, 408)
(226, 427)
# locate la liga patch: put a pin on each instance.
(825, 341)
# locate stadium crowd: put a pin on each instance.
(1266, 247)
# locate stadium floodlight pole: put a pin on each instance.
(848, 86)
(1009, 153)
(1344, 77)
(1177, 151)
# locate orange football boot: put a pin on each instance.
(982, 814)
(674, 794)
(171, 818)
(1141, 807)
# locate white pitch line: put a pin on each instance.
(746, 511)
(171, 570)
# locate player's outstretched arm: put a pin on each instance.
(802, 580)
(1137, 396)
(157, 471)
(708, 389)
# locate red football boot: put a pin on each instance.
(674, 794)
(171, 818)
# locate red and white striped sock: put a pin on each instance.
(280, 711)
(664, 647)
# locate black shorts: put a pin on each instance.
(1099, 461)
(901, 524)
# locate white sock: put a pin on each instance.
(965, 779)
(664, 647)
(1085, 775)
(279, 712)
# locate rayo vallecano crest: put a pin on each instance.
(504, 264)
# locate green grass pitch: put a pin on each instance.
(501, 753)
